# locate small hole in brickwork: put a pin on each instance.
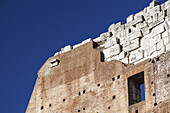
(114, 96)
(98, 85)
(157, 59)
(84, 109)
(153, 61)
(49, 105)
(153, 94)
(84, 91)
(64, 100)
(42, 107)
(109, 107)
(78, 110)
(155, 104)
(118, 76)
(134, 25)
(168, 75)
(152, 82)
(79, 93)
(113, 79)
(136, 111)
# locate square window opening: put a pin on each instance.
(136, 88)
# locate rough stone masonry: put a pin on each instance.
(106, 74)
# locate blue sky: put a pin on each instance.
(33, 30)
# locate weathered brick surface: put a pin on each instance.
(58, 89)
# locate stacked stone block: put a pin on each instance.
(145, 35)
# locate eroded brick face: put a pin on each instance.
(83, 83)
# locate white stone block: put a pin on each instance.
(145, 41)
(130, 18)
(149, 40)
(125, 60)
(165, 37)
(155, 18)
(109, 34)
(166, 5)
(165, 34)
(159, 45)
(153, 4)
(123, 41)
(154, 54)
(145, 31)
(142, 25)
(77, 45)
(99, 39)
(137, 19)
(86, 41)
(166, 40)
(122, 55)
(134, 34)
(57, 53)
(111, 41)
(162, 50)
(136, 55)
(158, 29)
(54, 62)
(132, 45)
(155, 10)
(149, 49)
(114, 50)
(167, 47)
(66, 48)
(111, 27)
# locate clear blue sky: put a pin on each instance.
(33, 30)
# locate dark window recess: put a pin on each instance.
(155, 104)
(136, 88)
(78, 110)
(136, 111)
(64, 100)
(84, 91)
(79, 93)
(84, 109)
(109, 107)
(165, 12)
(49, 105)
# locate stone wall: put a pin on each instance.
(93, 76)
(145, 35)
